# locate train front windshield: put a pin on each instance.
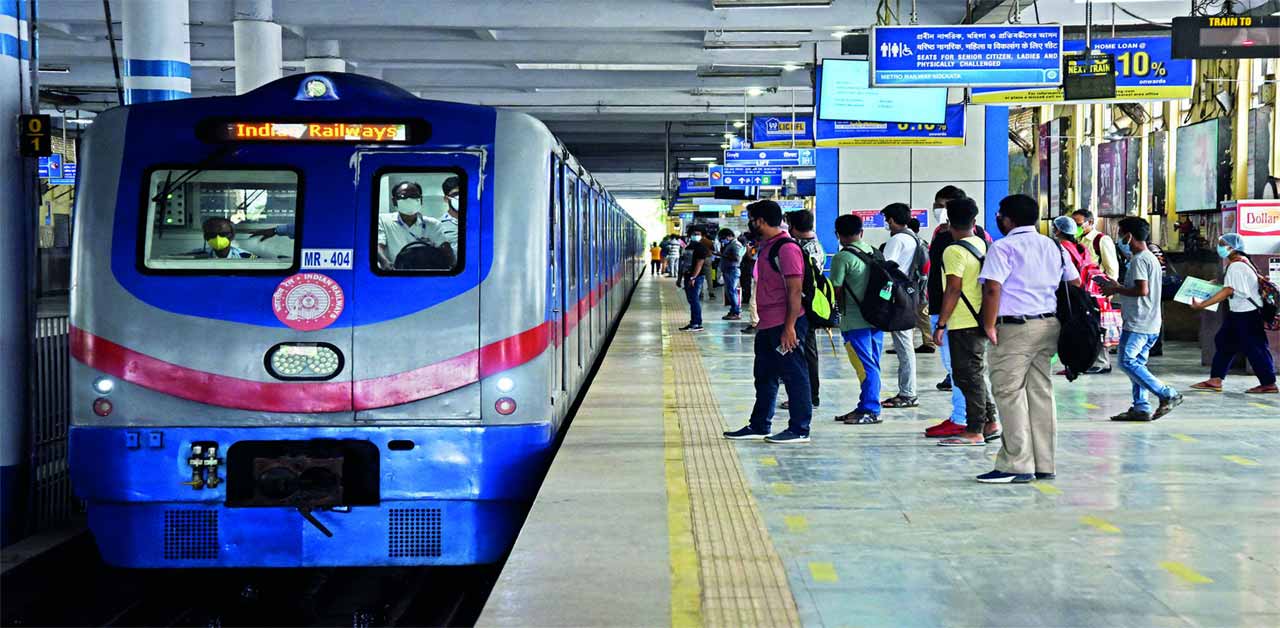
(221, 219)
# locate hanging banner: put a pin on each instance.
(1144, 66)
(966, 56)
(830, 133)
(776, 131)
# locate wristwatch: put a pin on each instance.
(940, 326)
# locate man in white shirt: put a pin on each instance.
(448, 223)
(904, 248)
(398, 229)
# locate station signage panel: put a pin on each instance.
(1227, 37)
(744, 176)
(690, 185)
(873, 219)
(966, 56)
(779, 131)
(1145, 69)
(770, 157)
(1088, 76)
(50, 167)
(854, 133)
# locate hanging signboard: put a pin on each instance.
(774, 157)
(966, 56)
(778, 131)
(951, 133)
(691, 185)
(1227, 37)
(1088, 76)
(1144, 67)
(743, 176)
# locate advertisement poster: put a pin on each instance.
(1112, 164)
(1145, 70)
(779, 131)
(873, 219)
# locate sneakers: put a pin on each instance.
(944, 385)
(926, 349)
(731, 317)
(1098, 371)
(749, 329)
(691, 328)
(787, 437)
(1167, 405)
(1000, 477)
(945, 429)
(745, 433)
(1133, 415)
(1046, 476)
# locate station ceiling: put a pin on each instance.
(605, 75)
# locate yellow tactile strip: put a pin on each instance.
(743, 581)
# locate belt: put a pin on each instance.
(1022, 320)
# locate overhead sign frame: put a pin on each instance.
(783, 157)
(953, 55)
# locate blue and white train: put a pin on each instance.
(253, 385)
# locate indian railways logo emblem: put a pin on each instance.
(308, 301)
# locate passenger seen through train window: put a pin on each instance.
(206, 219)
(420, 232)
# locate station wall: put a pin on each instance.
(869, 178)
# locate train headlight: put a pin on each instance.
(304, 360)
(506, 384)
(505, 406)
(102, 406)
(104, 385)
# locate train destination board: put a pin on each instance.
(1088, 76)
(966, 56)
(319, 131)
(1227, 37)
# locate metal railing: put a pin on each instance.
(52, 502)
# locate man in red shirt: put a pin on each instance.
(779, 354)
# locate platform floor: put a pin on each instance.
(648, 518)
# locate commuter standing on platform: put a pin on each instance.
(673, 250)
(731, 251)
(779, 354)
(655, 259)
(958, 320)
(801, 223)
(1242, 328)
(862, 342)
(1020, 279)
(1098, 243)
(904, 249)
(694, 281)
(748, 270)
(1139, 296)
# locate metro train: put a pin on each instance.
(256, 384)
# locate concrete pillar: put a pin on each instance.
(324, 55)
(17, 214)
(157, 50)
(258, 53)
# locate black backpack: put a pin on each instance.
(816, 295)
(1080, 341)
(892, 300)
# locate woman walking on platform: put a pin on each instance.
(1242, 330)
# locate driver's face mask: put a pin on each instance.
(409, 206)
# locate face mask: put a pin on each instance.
(409, 206)
(1125, 248)
(1079, 231)
(939, 215)
(1223, 251)
(695, 238)
(219, 243)
(1000, 226)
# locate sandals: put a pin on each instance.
(859, 417)
(900, 402)
(1206, 385)
(993, 436)
(1263, 390)
(961, 442)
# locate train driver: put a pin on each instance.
(405, 225)
(448, 223)
(219, 233)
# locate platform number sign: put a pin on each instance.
(36, 132)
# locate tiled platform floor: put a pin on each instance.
(1173, 523)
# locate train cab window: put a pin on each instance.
(220, 220)
(419, 218)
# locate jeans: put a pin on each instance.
(904, 346)
(968, 349)
(957, 396)
(693, 292)
(864, 347)
(771, 366)
(1134, 348)
(1242, 332)
(733, 291)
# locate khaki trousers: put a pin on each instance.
(1023, 389)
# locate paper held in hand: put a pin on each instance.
(1198, 289)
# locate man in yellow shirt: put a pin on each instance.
(961, 303)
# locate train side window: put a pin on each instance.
(419, 221)
(203, 219)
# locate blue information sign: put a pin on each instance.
(740, 176)
(50, 167)
(1145, 70)
(689, 185)
(62, 181)
(770, 157)
(966, 56)
(69, 170)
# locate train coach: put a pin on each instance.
(328, 323)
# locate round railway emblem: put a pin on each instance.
(308, 301)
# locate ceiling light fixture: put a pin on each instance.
(711, 160)
(724, 146)
(839, 34)
(754, 91)
(738, 124)
(55, 69)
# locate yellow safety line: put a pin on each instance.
(768, 461)
(783, 488)
(1241, 460)
(1089, 406)
(742, 580)
(1047, 489)
(796, 523)
(1100, 523)
(1186, 573)
(1186, 439)
(1260, 405)
(686, 586)
(823, 572)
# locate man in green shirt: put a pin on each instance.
(863, 342)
